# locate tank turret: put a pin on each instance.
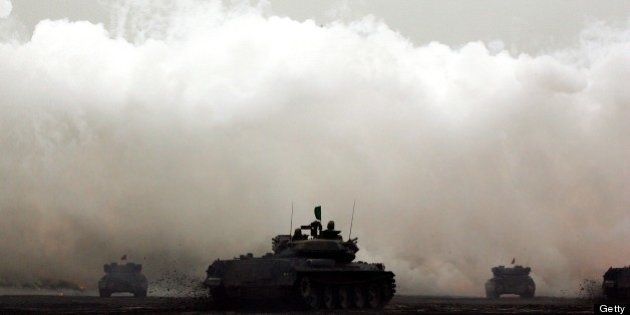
(514, 271)
(324, 244)
(126, 268)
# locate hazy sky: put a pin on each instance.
(522, 25)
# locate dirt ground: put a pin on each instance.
(170, 305)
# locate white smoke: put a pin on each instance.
(5, 8)
(184, 133)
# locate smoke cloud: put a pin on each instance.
(5, 8)
(184, 133)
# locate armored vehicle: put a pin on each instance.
(123, 278)
(616, 284)
(506, 280)
(315, 272)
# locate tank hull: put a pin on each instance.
(315, 283)
(616, 284)
(523, 286)
(134, 284)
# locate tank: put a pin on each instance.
(510, 280)
(616, 284)
(127, 278)
(316, 271)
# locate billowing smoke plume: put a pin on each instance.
(184, 133)
(5, 8)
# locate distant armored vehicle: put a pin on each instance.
(616, 284)
(123, 278)
(515, 280)
(316, 271)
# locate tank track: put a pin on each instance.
(317, 293)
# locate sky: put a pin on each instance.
(179, 132)
(529, 26)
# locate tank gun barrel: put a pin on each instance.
(352, 219)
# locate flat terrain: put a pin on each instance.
(404, 304)
(400, 304)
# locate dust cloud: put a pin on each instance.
(183, 133)
(5, 8)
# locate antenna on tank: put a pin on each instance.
(291, 228)
(352, 219)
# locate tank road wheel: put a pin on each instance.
(491, 291)
(141, 293)
(309, 293)
(529, 291)
(330, 297)
(358, 297)
(374, 298)
(387, 291)
(492, 294)
(104, 293)
(218, 296)
(345, 297)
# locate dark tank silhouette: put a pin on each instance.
(616, 284)
(316, 272)
(506, 280)
(123, 278)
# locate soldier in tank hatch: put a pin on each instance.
(330, 232)
(315, 228)
(298, 236)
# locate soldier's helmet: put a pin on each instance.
(331, 225)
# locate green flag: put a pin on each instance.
(318, 213)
